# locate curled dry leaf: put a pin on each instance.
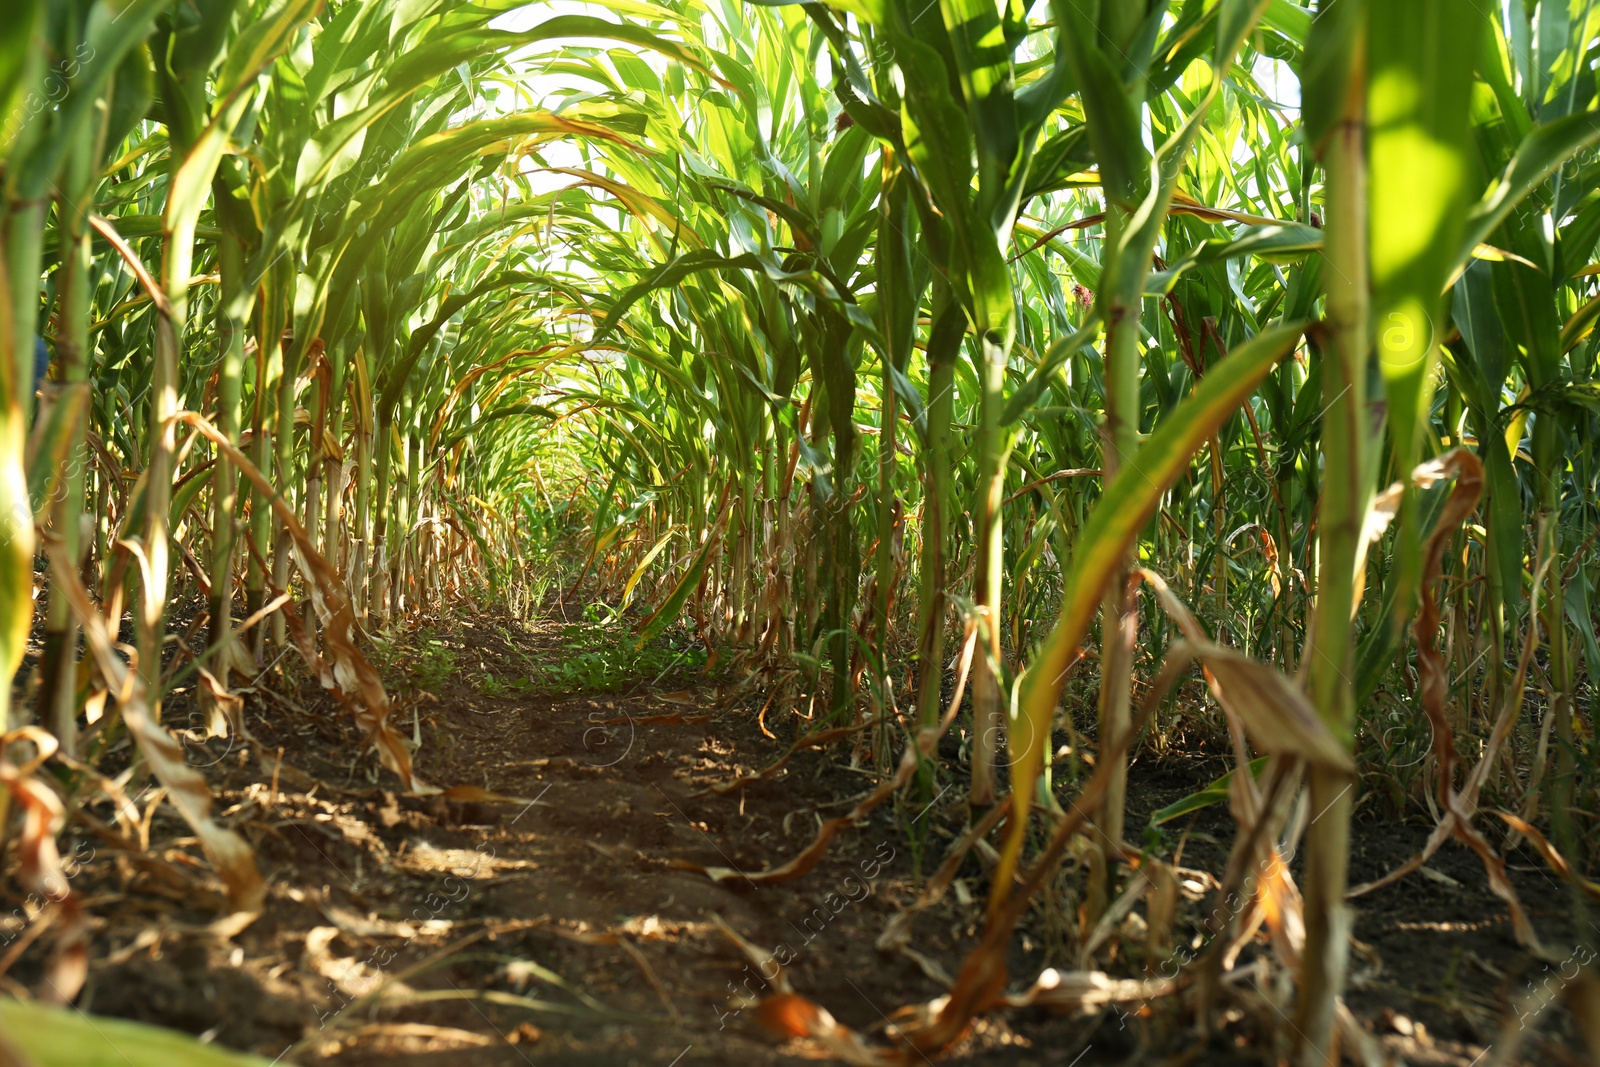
(1271, 706)
(920, 747)
(40, 870)
(758, 959)
(1256, 865)
(1282, 909)
(230, 854)
(791, 1015)
(350, 976)
(811, 740)
(1084, 991)
(980, 984)
(476, 794)
(234, 657)
(350, 673)
(1459, 806)
(813, 853)
(223, 710)
(896, 936)
(1555, 859)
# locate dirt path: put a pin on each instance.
(554, 928)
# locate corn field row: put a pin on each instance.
(942, 367)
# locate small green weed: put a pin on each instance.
(595, 655)
(421, 660)
(494, 688)
(435, 664)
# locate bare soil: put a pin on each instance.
(552, 927)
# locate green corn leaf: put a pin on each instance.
(16, 39)
(667, 611)
(1030, 391)
(1215, 793)
(1113, 120)
(1420, 59)
(1325, 78)
(1127, 504)
(1539, 155)
(67, 1037)
(1580, 613)
(1289, 19)
(109, 36)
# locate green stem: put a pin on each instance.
(58, 668)
(988, 723)
(233, 305)
(1121, 437)
(943, 344)
(1346, 490)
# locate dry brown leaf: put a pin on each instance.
(791, 1015)
(223, 710)
(1433, 675)
(1112, 917)
(351, 977)
(896, 936)
(1271, 706)
(40, 869)
(787, 1015)
(811, 740)
(813, 853)
(1083, 991)
(759, 959)
(1557, 862)
(920, 747)
(1282, 910)
(351, 674)
(230, 854)
(980, 983)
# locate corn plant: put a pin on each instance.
(888, 349)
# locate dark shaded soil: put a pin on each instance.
(552, 928)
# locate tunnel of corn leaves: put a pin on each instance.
(943, 370)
